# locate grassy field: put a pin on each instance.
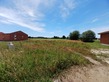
(97, 45)
(41, 60)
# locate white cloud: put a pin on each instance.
(5, 21)
(100, 29)
(66, 7)
(29, 8)
(95, 20)
(25, 13)
(11, 16)
(96, 29)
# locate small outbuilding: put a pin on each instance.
(14, 36)
(104, 37)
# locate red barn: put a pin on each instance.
(104, 37)
(14, 36)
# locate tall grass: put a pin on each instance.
(40, 60)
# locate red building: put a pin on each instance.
(104, 37)
(14, 36)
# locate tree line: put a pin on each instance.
(87, 36)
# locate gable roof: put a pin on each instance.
(18, 31)
(104, 32)
(1, 33)
(13, 32)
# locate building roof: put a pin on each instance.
(104, 32)
(1, 33)
(19, 31)
(13, 32)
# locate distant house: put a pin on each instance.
(14, 36)
(104, 37)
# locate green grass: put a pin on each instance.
(40, 60)
(97, 45)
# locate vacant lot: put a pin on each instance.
(41, 60)
(98, 72)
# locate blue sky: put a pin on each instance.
(54, 17)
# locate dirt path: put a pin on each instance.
(92, 60)
(85, 74)
(102, 54)
(94, 73)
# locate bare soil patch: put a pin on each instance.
(93, 73)
(85, 74)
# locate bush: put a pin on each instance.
(63, 37)
(56, 37)
(88, 36)
(74, 35)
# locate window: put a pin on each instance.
(15, 37)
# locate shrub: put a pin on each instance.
(56, 37)
(63, 37)
(88, 36)
(74, 35)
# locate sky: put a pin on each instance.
(50, 18)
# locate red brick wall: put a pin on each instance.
(104, 38)
(6, 37)
(1, 36)
(16, 36)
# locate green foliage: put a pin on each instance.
(56, 37)
(39, 60)
(74, 35)
(63, 37)
(88, 36)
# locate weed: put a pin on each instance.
(39, 60)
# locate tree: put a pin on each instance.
(88, 36)
(74, 35)
(56, 37)
(63, 37)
